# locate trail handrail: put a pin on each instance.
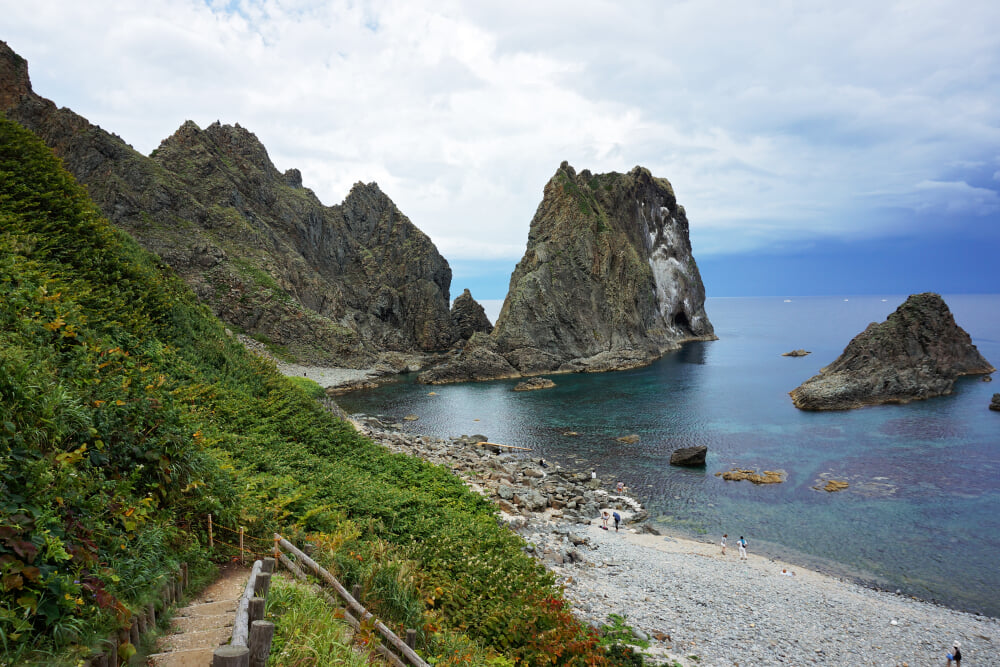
(352, 604)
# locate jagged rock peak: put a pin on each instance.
(233, 141)
(917, 353)
(14, 80)
(468, 316)
(607, 281)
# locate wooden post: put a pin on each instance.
(268, 566)
(178, 587)
(99, 660)
(211, 540)
(411, 638)
(151, 613)
(140, 619)
(255, 611)
(276, 550)
(243, 560)
(261, 634)
(184, 576)
(262, 585)
(356, 592)
(133, 632)
(231, 656)
(112, 643)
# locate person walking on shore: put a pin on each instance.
(724, 536)
(618, 518)
(955, 656)
(743, 547)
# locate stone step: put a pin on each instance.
(206, 622)
(198, 657)
(209, 608)
(198, 639)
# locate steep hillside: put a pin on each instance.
(127, 414)
(346, 284)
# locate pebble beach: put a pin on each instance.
(695, 605)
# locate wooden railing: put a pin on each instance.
(400, 653)
(252, 635)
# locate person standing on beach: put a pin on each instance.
(604, 518)
(724, 536)
(743, 547)
(618, 518)
(955, 656)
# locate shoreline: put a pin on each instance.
(678, 591)
(682, 594)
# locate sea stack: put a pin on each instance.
(917, 353)
(607, 282)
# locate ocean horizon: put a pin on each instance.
(920, 514)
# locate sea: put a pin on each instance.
(921, 514)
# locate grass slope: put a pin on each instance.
(127, 414)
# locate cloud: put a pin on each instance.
(773, 124)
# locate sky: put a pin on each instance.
(817, 147)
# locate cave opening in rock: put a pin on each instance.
(681, 321)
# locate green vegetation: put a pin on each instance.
(305, 631)
(127, 415)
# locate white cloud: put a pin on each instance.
(794, 121)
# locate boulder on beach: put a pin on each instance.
(534, 384)
(691, 457)
(917, 353)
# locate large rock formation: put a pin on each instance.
(468, 316)
(340, 285)
(607, 282)
(917, 353)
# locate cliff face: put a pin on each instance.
(330, 284)
(917, 353)
(607, 282)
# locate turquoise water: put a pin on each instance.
(922, 513)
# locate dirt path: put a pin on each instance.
(203, 625)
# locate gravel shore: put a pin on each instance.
(327, 376)
(731, 612)
(684, 595)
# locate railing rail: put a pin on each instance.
(355, 611)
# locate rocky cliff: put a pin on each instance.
(917, 353)
(344, 285)
(607, 282)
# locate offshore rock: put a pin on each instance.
(534, 384)
(468, 316)
(796, 353)
(917, 353)
(995, 402)
(692, 457)
(331, 285)
(607, 281)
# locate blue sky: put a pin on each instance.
(818, 147)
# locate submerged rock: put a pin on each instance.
(534, 384)
(917, 353)
(628, 439)
(834, 485)
(766, 477)
(692, 457)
